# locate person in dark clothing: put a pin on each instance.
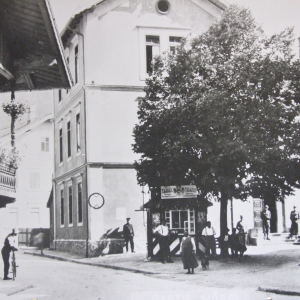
(188, 251)
(7, 248)
(128, 235)
(294, 226)
(266, 217)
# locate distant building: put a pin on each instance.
(34, 141)
(109, 48)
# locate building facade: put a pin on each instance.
(109, 48)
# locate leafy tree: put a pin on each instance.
(223, 114)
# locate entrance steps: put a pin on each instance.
(276, 238)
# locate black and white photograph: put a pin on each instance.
(149, 149)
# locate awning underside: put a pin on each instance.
(6, 200)
(30, 53)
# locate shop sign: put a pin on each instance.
(175, 192)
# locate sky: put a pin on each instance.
(273, 15)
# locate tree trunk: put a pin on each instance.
(223, 215)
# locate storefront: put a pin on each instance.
(182, 209)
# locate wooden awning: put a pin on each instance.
(31, 53)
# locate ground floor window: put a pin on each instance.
(181, 220)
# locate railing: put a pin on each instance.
(7, 178)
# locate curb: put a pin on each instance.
(278, 291)
(93, 264)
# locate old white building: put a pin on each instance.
(109, 47)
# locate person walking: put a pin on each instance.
(208, 234)
(7, 248)
(128, 235)
(266, 217)
(241, 231)
(162, 232)
(188, 252)
(294, 216)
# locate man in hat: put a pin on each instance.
(266, 217)
(294, 226)
(128, 235)
(7, 248)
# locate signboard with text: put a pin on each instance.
(176, 192)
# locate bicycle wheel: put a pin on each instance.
(13, 265)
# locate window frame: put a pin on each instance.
(191, 222)
(79, 199)
(62, 206)
(69, 139)
(70, 204)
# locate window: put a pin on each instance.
(59, 96)
(62, 211)
(68, 62)
(45, 145)
(60, 145)
(69, 138)
(174, 42)
(34, 217)
(79, 199)
(34, 181)
(70, 204)
(163, 6)
(152, 49)
(181, 220)
(78, 132)
(76, 64)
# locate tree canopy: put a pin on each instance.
(223, 114)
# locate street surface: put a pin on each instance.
(44, 278)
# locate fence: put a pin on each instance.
(25, 236)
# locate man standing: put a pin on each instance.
(209, 236)
(163, 239)
(128, 235)
(266, 217)
(7, 248)
(294, 226)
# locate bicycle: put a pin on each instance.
(13, 265)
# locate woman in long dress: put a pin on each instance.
(188, 251)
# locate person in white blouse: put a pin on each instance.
(188, 252)
(209, 236)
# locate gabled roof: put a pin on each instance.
(31, 54)
(76, 18)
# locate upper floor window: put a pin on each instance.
(60, 145)
(76, 64)
(174, 42)
(34, 181)
(45, 147)
(69, 138)
(163, 6)
(68, 62)
(78, 132)
(152, 49)
(59, 96)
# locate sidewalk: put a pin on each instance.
(263, 268)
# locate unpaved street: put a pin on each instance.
(44, 278)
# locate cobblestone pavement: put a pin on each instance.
(272, 268)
